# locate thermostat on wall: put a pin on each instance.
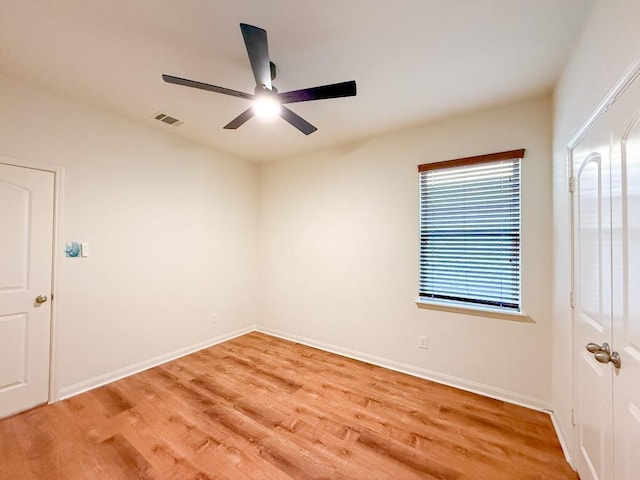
(72, 249)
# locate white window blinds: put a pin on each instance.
(470, 231)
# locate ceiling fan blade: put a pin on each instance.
(297, 121)
(335, 90)
(255, 39)
(205, 86)
(240, 119)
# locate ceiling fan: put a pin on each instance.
(266, 97)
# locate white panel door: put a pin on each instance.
(26, 251)
(607, 292)
(592, 303)
(625, 116)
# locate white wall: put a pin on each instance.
(171, 227)
(609, 44)
(339, 248)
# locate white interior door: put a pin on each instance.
(592, 307)
(26, 247)
(606, 218)
(626, 282)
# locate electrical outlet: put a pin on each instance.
(214, 318)
(423, 342)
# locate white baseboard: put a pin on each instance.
(461, 383)
(438, 377)
(561, 439)
(101, 380)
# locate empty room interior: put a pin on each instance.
(427, 265)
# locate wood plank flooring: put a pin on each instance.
(258, 407)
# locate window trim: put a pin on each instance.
(476, 311)
(459, 162)
(470, 307)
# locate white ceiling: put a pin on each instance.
(413, 60)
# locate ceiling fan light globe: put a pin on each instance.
(266, 107)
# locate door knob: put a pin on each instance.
(41, 299)
(605, 357)
(595, 348)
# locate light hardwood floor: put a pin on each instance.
(258, 407)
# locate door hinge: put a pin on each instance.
(573, 417)
(572, 184)
(572, 300)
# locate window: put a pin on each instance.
(470, 232)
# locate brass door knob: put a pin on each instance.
(41, 299)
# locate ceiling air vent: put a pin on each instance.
(163, 117)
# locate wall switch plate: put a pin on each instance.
(423, 342)
(84, 249)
